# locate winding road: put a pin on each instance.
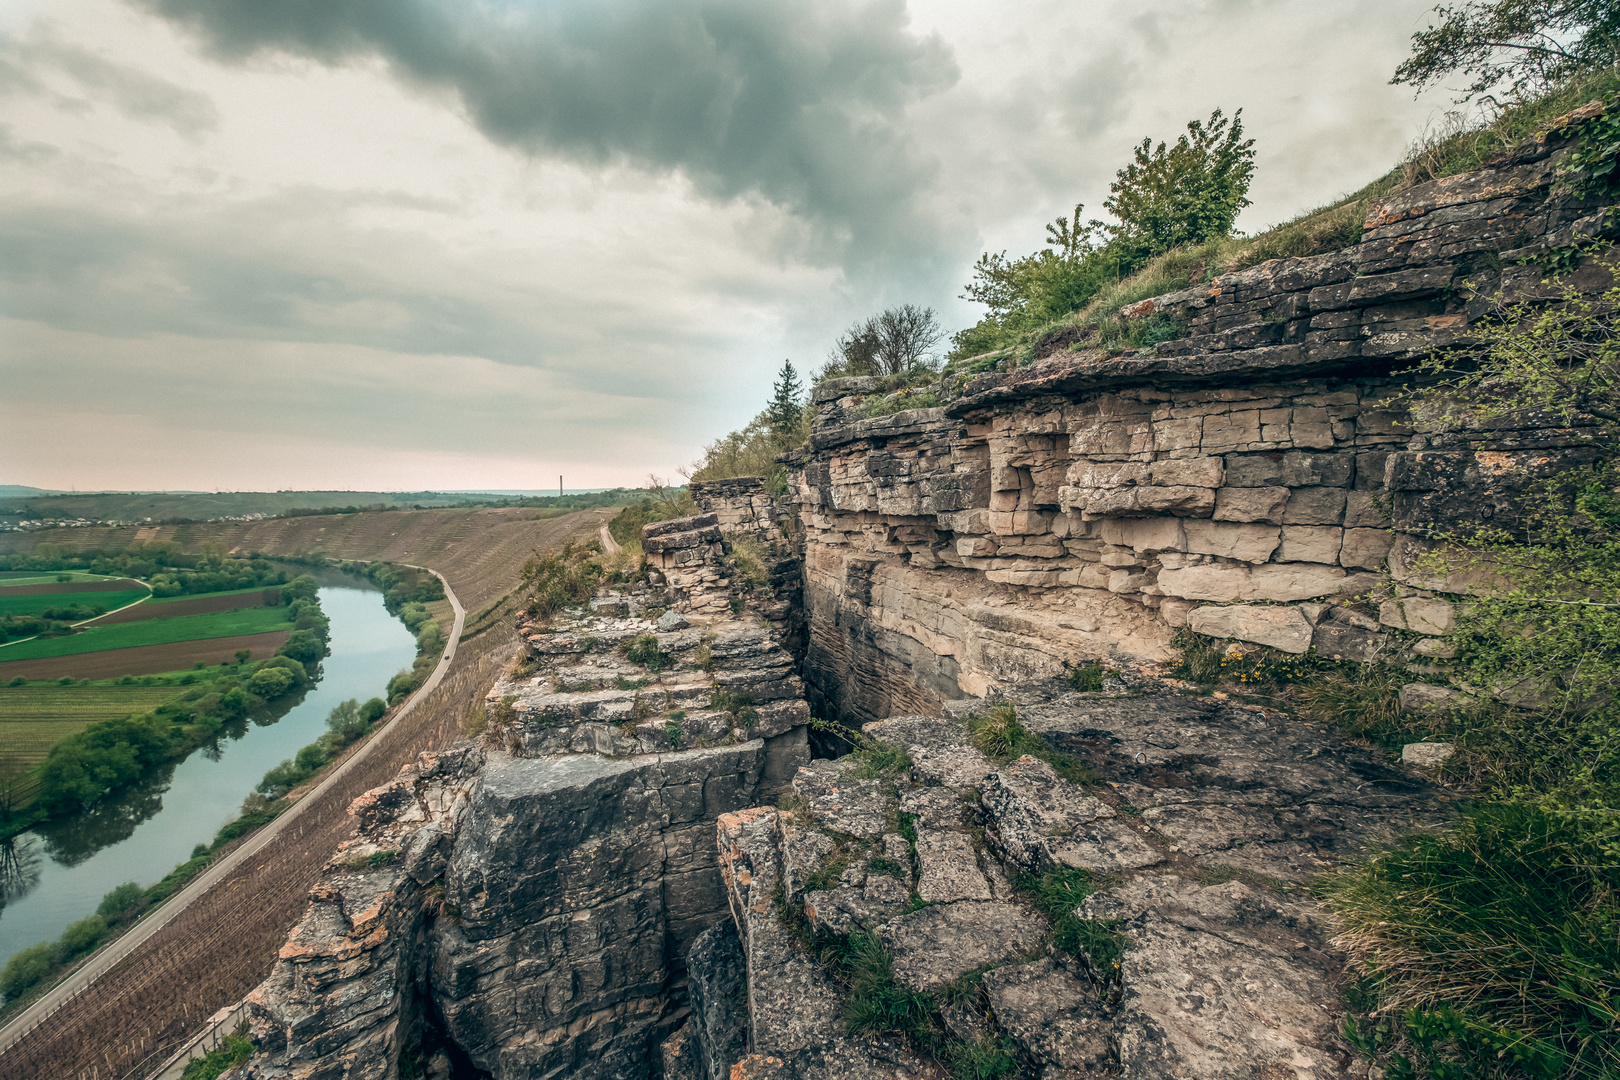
(104, 959)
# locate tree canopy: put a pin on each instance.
(1517, 47)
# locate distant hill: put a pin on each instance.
(24, 503)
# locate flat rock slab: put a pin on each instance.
(933, 946)
(1104, 846)
(853, 807)
(950, 869)
(1029, 807)
(841, 1058)
(1052, 1015)
(1221, 982)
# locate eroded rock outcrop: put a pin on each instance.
(1093, 502)
(1198, 831)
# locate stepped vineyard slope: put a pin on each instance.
(645, 862)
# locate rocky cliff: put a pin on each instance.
(1249, 478)
(636, 868)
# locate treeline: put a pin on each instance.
(160, 563)
(346, 723)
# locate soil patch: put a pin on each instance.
(145, 659)
(201, 605)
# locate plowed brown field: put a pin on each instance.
(201, 605)
(144, 659)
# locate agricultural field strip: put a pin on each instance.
(33, 577)
(38, 603)
(239, 622)
(68, 588)
(110, 955)
(35, 718)
(171, 607)
(175, 657)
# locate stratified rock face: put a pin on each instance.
(1237, 478)
(351, 983)
(1202, 829)
(580, 882)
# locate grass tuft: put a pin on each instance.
(1498, 937)
(998, 735)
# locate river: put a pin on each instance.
(57, 873)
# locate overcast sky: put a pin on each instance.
(409, 244)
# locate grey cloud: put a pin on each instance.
(204, 274)
(137, 94)
(803, 103)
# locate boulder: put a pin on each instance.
(1284, 628)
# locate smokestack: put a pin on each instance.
(559, 487)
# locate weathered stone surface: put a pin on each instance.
(1213, 984)
(1284, 628)
(950, 871)
(718, 994)
(1230, 540)
(1251, 504)
(939, 943)
(844, 805)
(1053, 1016)
(1029, 808)
(1425, 698)
(1427, 755)
(1436, 617)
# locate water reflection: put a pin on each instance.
(19, 867)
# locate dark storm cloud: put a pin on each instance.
(803, 103)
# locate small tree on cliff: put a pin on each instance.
(784, 410)
(1520, 47)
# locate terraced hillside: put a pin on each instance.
(479, 550)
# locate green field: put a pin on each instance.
(48, 577)
(35, 718)
(38, 602)
(257, 620)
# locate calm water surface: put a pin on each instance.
(59, 872)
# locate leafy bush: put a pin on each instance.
(27, 967)
(83, 935)
(643, 649)
(269, 682)
(231, 1052)
(402, 685)
(103, 757)
(998, 735)
(567, 576)
(120, 899)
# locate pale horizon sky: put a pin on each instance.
(429, 245)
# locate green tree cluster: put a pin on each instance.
(1169, 196)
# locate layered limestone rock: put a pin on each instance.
(522, 907)
(1092, 503)
(1200, 831)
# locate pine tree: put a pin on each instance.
(785, 410)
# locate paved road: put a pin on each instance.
(102, 961)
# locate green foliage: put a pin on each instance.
(402, 686)
(1172, 196)
(672, 734)
(876, 1002)
(897, 341)
(1590, 169)
(879, 761)
(1168, 197)
(751, 450)
(749, 555)
(1497, 936)
(899, 401)
(103, 758)
(739, 703)
(1561, 359)
(785, 408)
(1058, 893)
(1087, 678)
(269, 682)
(1000, 736)
(643, 649)
(83, 935)
(565, 577)
(120, 899)
(231, 1052)
(1516, 46)
(27, 967)
(1362, 700)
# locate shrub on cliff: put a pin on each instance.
(1170, 196)
(566, 576)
